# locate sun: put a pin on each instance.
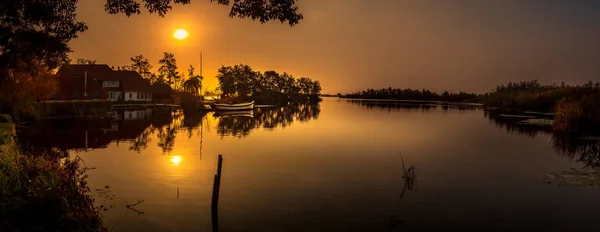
(180, 34)
(175, 160)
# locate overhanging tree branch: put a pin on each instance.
(261, 10)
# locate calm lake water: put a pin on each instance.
(334, 166)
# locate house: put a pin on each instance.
(78, 87)
(133, 86)
(120, 85)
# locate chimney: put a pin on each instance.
(85, 84)
(113, 67)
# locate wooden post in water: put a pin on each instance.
(217, 183)
(215, 195)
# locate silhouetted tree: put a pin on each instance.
(34, 37)
(241, 81)
(412, 94)
(84, 61)
(315, 88)
(168, 71)
(194, 82)
(304, 84)
(262, 10)
(268, 80)
(142, 65)
(227, 81)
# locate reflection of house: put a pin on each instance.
(82, 134)
(132, 114)
(119, 85)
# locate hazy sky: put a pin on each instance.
(348, 45)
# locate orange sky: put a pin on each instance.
(349, 45)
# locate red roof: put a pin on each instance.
(130, 81)
(73, 86)
(92, 69)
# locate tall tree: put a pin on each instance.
(227, 82)
(268, 80)
(315, 88)
(305, 85)
(262, 10)
(287, 83)
(194, 82)
(244, 76)
(85, 61)
(34, 38)
(168, 71)
(142, 65)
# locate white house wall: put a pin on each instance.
(132, 96)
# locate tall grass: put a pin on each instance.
(533, 96)
(39, 194)
(580, 115)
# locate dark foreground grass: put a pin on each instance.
(38, 194)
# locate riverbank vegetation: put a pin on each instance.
(241, 83)
(413, 94)
(42, 194)
(577, 107)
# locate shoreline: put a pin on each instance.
(414, 101)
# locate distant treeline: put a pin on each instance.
(414, 94)
(577, 107)
(270, 87)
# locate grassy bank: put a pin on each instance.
(577, 107)
(40, 194)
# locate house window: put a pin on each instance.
(138, 95)
(130, 95)
(110, 84)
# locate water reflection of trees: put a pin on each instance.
(512, 125)
(269, 118)
(583, 149)
(131, 126)
(411, 106)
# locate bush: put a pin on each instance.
(531, 95)
(161, 91)
(188, 101)
(568, 116)
(37, 194)
(580, 115)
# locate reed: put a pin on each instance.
(41, 194)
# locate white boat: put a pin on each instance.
(234, 113)
(240, 106)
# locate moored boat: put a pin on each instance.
(235, 113)
(240, 106)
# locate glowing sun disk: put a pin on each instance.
(180, 34)
(176, 160)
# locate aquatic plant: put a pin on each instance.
(41, 194)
